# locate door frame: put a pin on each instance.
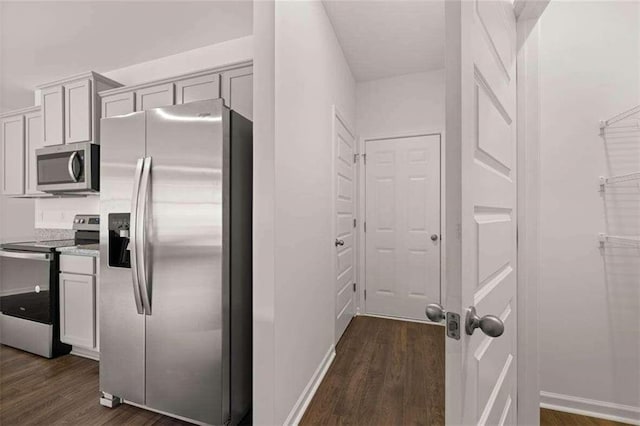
(528, 13)
(337, 115)
(361, 216)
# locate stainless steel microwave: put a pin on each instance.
(69, 168)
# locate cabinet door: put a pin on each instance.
(198, 89)
(78, 310)
(12, 145)
(52, 115)
(120, 104)
(33, 141)
(77, 111)
(154, 97)
(237, 90)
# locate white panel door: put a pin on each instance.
(119, 104)
(12, 155)
(344, 210)
(154, 97)
(198, 89)
(481, 249)
(403, 225)
(77, 112)
(33, 141)
(237, 90)
(52, 101)
(78, 310)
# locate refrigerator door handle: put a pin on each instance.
(141, 242)
(133, 236)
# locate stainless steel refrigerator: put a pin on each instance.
(175, 255)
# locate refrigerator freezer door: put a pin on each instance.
(122, 332)
(185, 336)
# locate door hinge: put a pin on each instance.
(364, 159)
(365, 294)
(356, 157)
(365, 226)
(354, 287)
(453, 325)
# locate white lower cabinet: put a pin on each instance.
(78, 310)
(78, 305)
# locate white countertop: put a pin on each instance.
(83, 250)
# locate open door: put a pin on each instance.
(481, 245)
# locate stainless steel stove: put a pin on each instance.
(29, 298)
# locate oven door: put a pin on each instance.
(25, 285)
(68, 168)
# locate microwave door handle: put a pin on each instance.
(142, 235)
(133, 232)
(72, 173)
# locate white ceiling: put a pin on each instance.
(387, 38)
(44, 41)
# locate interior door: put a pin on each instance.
(344, 190)
(481, 210)
(403, 225)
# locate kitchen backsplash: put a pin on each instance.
(58, 213)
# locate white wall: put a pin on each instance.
(59, 212)
(311, 75)
(403, 104)
(589, 298)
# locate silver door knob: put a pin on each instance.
(339, 242)
(490, 325)
(434, 237)
(435, 312)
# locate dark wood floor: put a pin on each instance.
(62, 391)
(386, 372)
(557, 418)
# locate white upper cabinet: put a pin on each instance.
(71, 108)
(118, 104)
(198, 88)
(77, 112)
(52, 101)
(234, 84)
(237, 90)
(12, 145)
(33, 141)
(154, 97)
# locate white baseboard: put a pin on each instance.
(426, 321)
(590, 407)
(309, 391)
(85, 353)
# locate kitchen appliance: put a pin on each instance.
(69, 168)
(29, 298)
(175, 255)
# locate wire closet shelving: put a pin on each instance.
(625, 121)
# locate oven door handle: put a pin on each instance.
(133, 233)
(72, 173)
(26, 255)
